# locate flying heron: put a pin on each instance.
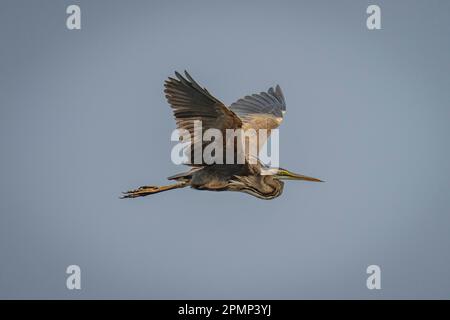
(265, 110)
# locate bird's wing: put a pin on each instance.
(261, 111)
(191, 102)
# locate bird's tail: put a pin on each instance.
(147, 190)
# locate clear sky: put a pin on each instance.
(83, 117)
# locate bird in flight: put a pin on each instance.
(191, 102)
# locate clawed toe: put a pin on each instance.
(138, 192)
(147, 190)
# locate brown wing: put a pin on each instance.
(191, 102)
(261, 111)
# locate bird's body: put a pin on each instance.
(265, 111)
(234, 177)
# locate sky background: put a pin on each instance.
(83, 117)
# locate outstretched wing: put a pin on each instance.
(191, 102)
(261, 111)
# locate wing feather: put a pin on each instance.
(191, 102)
(261, 111)
(253, 110)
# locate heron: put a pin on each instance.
(265, 110)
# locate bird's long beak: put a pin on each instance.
(284, 174)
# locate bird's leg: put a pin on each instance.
(147, 190)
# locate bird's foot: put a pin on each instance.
(140, 192)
